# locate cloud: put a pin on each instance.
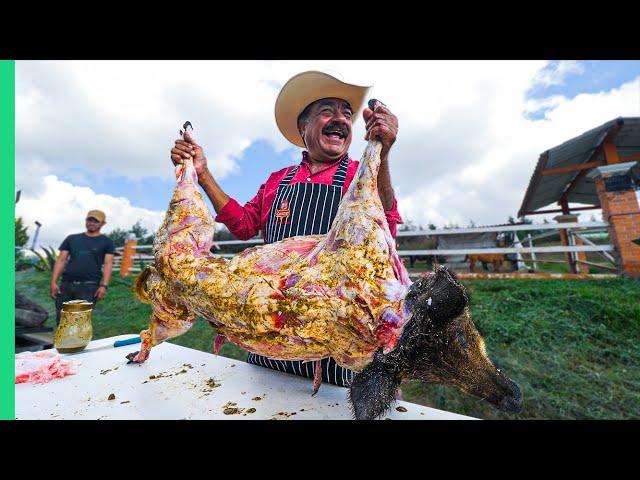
(122, 117)
(490, 186)
(466, 147)
(556, 72)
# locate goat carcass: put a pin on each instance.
(345, 294)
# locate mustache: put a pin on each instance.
(336, 126)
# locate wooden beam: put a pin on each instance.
(597, 265)
(630, 158)
(559, 210)
(578, 178)
(610, 152)
(570, 168)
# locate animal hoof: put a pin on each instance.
(131, 357)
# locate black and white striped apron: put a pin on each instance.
(305, 209)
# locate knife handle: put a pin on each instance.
(128, 341)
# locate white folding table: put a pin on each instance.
(181, 383)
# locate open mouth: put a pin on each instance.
(335, 132)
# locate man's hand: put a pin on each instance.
(101, 292)
(184, 150)
(383, 124)
(55, 290)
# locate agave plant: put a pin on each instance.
(47, 261)
(22, 261)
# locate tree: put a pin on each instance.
(138, 230)
(22, 238)
(451, 226)
(525, 220)
(21, 233)
(142, 234)
(407, 226)
(119, 236)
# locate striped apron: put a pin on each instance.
(305, 209)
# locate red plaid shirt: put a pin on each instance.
(244, 222)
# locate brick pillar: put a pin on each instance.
(128, 253)
(621, 209)
(574, 267)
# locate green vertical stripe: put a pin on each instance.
(7, 239)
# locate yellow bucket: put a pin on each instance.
(75, 330)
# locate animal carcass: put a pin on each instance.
(346, 294)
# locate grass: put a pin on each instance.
(572, 345)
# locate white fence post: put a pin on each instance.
(533, 254)
(519, 260)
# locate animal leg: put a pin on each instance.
(317, 377)
(160, 330)
(218, 342)
(374, 390)
(399, 394)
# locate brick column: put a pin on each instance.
(574, 267)
(621, 209)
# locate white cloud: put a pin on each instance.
(122, 117)
(556, 72)
(488, 185)
(465, 149)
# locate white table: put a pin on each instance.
(180, 387)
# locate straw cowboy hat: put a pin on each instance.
(306, 88)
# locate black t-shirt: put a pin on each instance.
(86, 256)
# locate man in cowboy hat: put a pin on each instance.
(88, 270)
(314, 111)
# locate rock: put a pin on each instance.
(29, 313)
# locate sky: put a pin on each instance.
(98, 134)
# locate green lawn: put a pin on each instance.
(572, 345)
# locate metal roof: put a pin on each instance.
(544, 190)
